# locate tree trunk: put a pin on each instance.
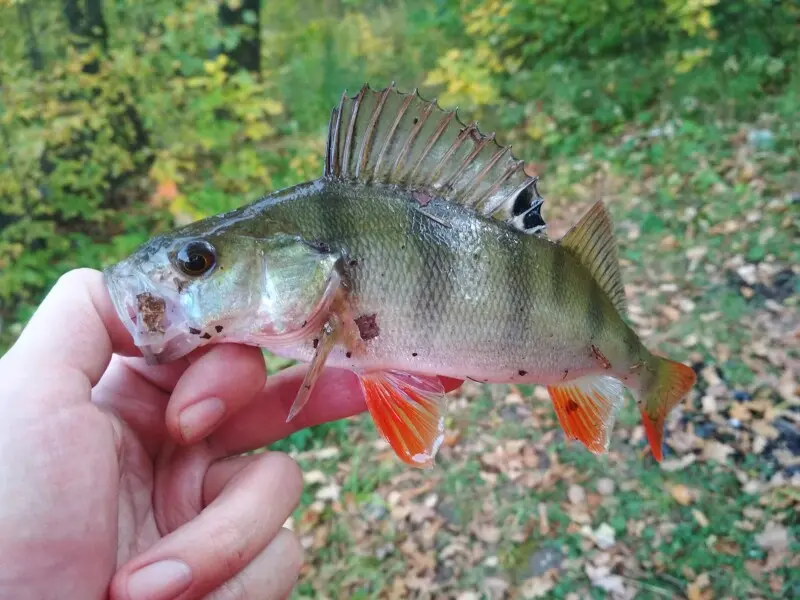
(87, 26)
(31, 43)
(247, 19)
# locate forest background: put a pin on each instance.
(120, 120)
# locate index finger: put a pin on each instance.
(75, 328)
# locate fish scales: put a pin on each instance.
(420, 253)
(464, 296)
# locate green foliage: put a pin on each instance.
(102, 149)
(564, 70)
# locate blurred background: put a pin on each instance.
(120, 120)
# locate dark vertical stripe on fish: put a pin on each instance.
(557, 274)
(632, 344)
(325, 210)
(419, 277)
(436, 285)
(594, 310)
(510, 287)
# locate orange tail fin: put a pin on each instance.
(668, 386)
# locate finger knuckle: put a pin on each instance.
(233, 589)
(227, 543)
(76, 277)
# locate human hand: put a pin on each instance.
(124, 481)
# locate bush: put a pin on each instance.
(579, 66)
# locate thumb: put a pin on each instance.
(75, 327)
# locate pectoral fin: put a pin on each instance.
(587, 408)
(408, 411)
(327, 341)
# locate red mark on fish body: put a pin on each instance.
(422, 198)
(599, 356)
(367, 326)
(572, 406)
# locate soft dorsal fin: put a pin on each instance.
(592, 240)
(390, 137)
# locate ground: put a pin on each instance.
(707, 223)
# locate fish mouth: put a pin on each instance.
(154, 317)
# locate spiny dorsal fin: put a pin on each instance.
(592, 240)
(390, 137)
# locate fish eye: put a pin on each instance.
(196, 258)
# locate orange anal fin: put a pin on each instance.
(327, 341)
(587, 408)
(408, 411)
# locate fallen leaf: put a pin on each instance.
(740, 411)
(709, 404)
(774, 537)
(601, 577)
(451, 438)
(694, 592)
(710, 375)
(313, 477)
(701, 519)
(682, 494)
(328, 492)
(726, 546)
(748, 274)
(576, 494)
(672, 313)
(677, 464)
(544, 524)
(488, 533)
(605, 486)
(536, 587)
(765, 429)
(716, 451)
(603, 537)
(751, 512)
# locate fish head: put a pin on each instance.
(185, 290)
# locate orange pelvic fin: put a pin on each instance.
(587, 408)
(408, 411)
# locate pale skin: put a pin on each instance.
(116, 482)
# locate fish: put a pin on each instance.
(420, 253)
